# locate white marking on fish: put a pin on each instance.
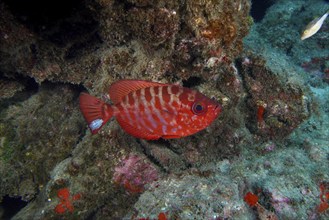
(95, 124)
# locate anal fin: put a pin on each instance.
(171, 136)
(135, 131)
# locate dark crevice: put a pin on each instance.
(161, 143)
(245, 72)
(76, 87)
(128, 5)
(141, 4)
(192, 82)
(174, 149)
(259, 8)
(80, 48)
(59, 22)
(39, 12)
(146, 152)
(30, 88)
(11, 206)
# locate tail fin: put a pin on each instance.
(95, 111)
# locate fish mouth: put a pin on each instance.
(218, 108)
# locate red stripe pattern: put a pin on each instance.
(164, 111)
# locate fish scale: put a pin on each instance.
(151, 110)
(146, 107)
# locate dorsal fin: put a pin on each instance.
(121, 88)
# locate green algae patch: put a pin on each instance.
(6, 151)
(6, 146)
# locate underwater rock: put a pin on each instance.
(45, 145)
(37, 47)
(38, 133)
(276, 106)
(153, 26)
(8, 88)
(194, 196)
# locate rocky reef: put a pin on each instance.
(50, 161)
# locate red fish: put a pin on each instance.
(151, 110)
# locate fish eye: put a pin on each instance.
(198, 108)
